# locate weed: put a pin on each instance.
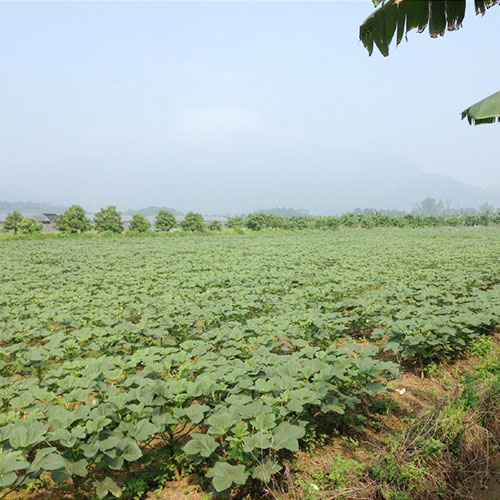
(342, 471)
(482, 346)
(313, 439)
(432, 369)
(350, 441)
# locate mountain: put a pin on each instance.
(28, 207)
(358, 179)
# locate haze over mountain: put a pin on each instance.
(232, 107)
(355, 179)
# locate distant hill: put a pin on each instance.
(373, 181)
(29, 207)
(151, 211)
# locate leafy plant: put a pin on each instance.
(73, 220)
(108, 220)
(165, 221)
(193, 222)
(29, 226)
(139, 224)
(12, 222)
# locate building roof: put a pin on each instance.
(38, 217)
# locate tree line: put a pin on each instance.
(109, 220)
(258, 221)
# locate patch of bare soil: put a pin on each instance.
(185, 489)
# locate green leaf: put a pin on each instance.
(201, 444)
(144, 430)
(60, 475)
(286, 436)
(407, 15)
(78, 468)
(221, 423)
(264, 471)
(196, 412)
(131, 452)
(334, 406)
(485, 111)
(47, 459)
(258, 440)
(10, 462)
(264, 421)
(107, 486)
(225, 475)
(97, 424)
(26, 435)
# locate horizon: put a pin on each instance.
(226, 108)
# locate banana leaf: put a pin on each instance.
(402, 16)
(485, 111)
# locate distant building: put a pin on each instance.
(207, 218)
(47, 220)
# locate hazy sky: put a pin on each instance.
(232, 106)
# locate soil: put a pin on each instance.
(491, 489)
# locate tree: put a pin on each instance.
(193, 222)
(256, 221)
(12, 222)
(429, 206)
(108, 219)
(486, 208)
(139, 224)
(215, 225)
(73, 221)
(165, 221)
(402, 16)
(235, 222)
(29, 226)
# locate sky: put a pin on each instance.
(227, 107)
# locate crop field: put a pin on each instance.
(218, 354)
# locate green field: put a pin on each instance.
(219, 353)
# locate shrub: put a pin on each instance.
(165, 221)
(215, 226)
(256, 221)
(12, 222)
(235, 222)
(29, 226)
(193, 222)
(108, 219)
(139, 224)
(73, 221)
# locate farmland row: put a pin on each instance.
(222, 351)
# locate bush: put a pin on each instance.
(139, 224)
(256, 221)
(193, 222)
(108, 219)
(165, 221)
(29, 226)
(73, 221)
(235, 222)
(12, 222)
(215, 226)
